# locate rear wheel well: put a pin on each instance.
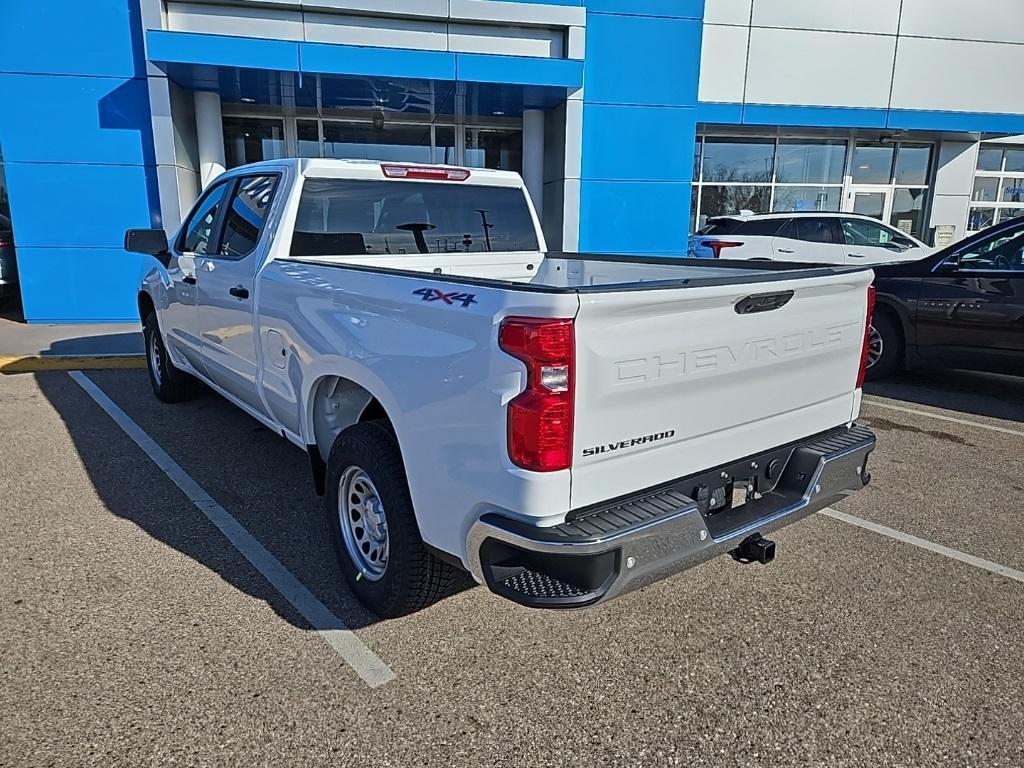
(336, 404)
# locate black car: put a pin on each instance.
(962, 307)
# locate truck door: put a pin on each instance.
(972, 307)
(226, 283)
(180, 319)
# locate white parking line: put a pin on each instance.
(940, 417)
(343, 640)
(931, 546)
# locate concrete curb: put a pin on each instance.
(34, 363)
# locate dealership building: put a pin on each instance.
(631, 121)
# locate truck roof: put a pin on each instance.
(335, 168)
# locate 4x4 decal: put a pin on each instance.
(432, 294)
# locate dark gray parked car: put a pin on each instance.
(8, 264)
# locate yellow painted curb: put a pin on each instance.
(33, 363)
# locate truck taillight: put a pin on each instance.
(865, 350)
(717, 246)
(424, 172)
(540, 419)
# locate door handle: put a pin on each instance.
(786, 250)
(858, 255)
(239, 292)
(190, 279)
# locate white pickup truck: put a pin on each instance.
(565, 427)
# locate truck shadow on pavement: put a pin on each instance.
(969, 392)
(256, 476)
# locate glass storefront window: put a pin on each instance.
(985, 190)
(979, 218)
(251, 139)
(738, 160)
(990, 159)
(444, 144)
(719, 200)
(1014, 161)
(912, 163)
(810, 162)
(497, 148)
(308, 134)
(872, 163)
(1011, 191)
(1006, 214)
(807, 198)
(362, 141)
(907, 206)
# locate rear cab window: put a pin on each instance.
(351, 217)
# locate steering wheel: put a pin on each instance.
(1002, 262)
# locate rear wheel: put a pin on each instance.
(885, 346)
(373, 527)
(170, 385)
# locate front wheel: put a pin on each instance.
(885, 347)
(169, 384)
(373, 527)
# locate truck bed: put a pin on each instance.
(600, 273)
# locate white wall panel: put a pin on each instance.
(827, 68)
(723, 63)
(510, 41)
(234, 20)
(878, 16)
(958, 76)
(362, 30)
(995, 20)
(727, 12)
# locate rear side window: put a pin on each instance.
(246, 214)
(760, 227)
(809, 229)
(342, 217)
(720, 227)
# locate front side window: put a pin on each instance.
(867, 233)
(199, 230)
(1002, 252)
(246, 214)
(341, 217)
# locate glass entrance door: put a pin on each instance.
(872, 201)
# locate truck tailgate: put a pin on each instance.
(671, 382)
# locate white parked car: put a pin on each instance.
(567, 428)
(812, 238)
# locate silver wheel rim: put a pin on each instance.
(363, 524)
(875, 347)
(154, 359)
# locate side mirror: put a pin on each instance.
(149, 241)
(948, 264)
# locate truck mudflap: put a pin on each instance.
(606, 550)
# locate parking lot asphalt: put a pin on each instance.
(132, 632)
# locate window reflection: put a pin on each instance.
(252, 139)
(872, 163)
(743, 160)
(810, 162)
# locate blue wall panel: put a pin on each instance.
(639, 125)
(71, 37)
(94, 285)
(635, 217)
(642, 60)
(77, 143)
(639, 143)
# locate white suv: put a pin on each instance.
(814, 237)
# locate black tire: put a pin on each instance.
(412, 578)
(170, 385)
(893, 346)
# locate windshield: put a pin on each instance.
(344, 217)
